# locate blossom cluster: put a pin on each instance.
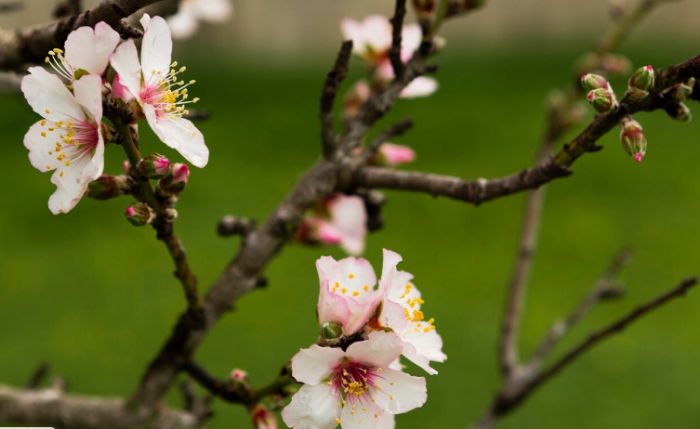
(94, 69)
(354, 377)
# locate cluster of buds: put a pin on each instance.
(640, 83)
(632, 137)
(600, 93)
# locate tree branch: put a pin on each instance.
(328, 94)
(396, 36)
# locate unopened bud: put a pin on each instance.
(591, 81)
(139, 214)
(680, 112)
(632, 137)
(331, 330)
(262, 417)
(154, 166)
(239, 376)
(176, 181)
(683, 90)
(643, 78)
(391, 155)
(602, 99)
(106, 187)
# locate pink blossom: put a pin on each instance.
(393, 154)
(355, 389)
(155, 84)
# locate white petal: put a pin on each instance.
(88, 92)
(398, 392)
(326, 266)
(41, 142)
(377, 33)
(180, 134)
(182, 25)
(212, 10)
(125, 62)
(312, 407)
(352, 30)
(366, 415)
(391, 260)
(380, 350)
(313, 365)
(393, 316)
(411, 37)
(420, 87)
(49, 97)
(156, 49)
(90, 49)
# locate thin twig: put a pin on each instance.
(397, 29)
(328, 95)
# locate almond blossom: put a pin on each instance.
(355, 388)
(87, 51)
(68, 140)
(401, 312)
(338, 220)
(391, 155)
(158, 90)
(186, 21)
(372, 39)
(348, 295)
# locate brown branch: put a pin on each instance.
(30, 45)
(328, 95)
(396, 36)
(231, 225)
(67, 8)
(52, 407)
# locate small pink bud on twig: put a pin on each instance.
(139, 214)
(154, 166)
(175, 182)
(591, 81)
(238, 375)
(632, 137)
(602, 99)
(107, 187)
(640, 83)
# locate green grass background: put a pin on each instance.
(95, 297)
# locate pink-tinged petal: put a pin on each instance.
(349, 216)
(380, 350)
(40, 141)
(313, 407)
(398, 392)
(393, 316)
(120, 91)
(90, 49)
(180, 134)
(377, 33)
(156, 48)
(420, 87)
(384, 72)
(125, 62)
(411, 37)
(49, 97)
(313, 365)
(212, 10)
(88, 92)
(366, 415)
(391, 260)
(326, 266)
(332, 307)
(328, 233)
(395, 154)
(183, 25)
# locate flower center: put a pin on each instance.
(59, 64)
(168, 94)
(352, 379)
(75, 140)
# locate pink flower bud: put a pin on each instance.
(591, 81)
(181, 173)
(120, 91)
(263, 418)
(632, 137)
(602, 99)
(393, 154)
(154, 166)
(176, 181)
(139, 214)
(239, 375)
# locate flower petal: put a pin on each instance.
(390, 261)
(40, 140)
(411, 37)
(49, 97)
(398, 392)
(380, 350)
(314, 364)
(88, 92)
(156, 48)
(333, 308)
(421, 347)
(125, 62)
(180, 134)
(377, 33)
(312, 407)
(90, 49)
(420, 87)
(366, 415)
(182, 25)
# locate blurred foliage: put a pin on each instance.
(95, 296)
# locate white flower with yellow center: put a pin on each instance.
(355, 388)
(401, 312)
(69, 138)
(153, 81)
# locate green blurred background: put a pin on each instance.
(95, 297)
